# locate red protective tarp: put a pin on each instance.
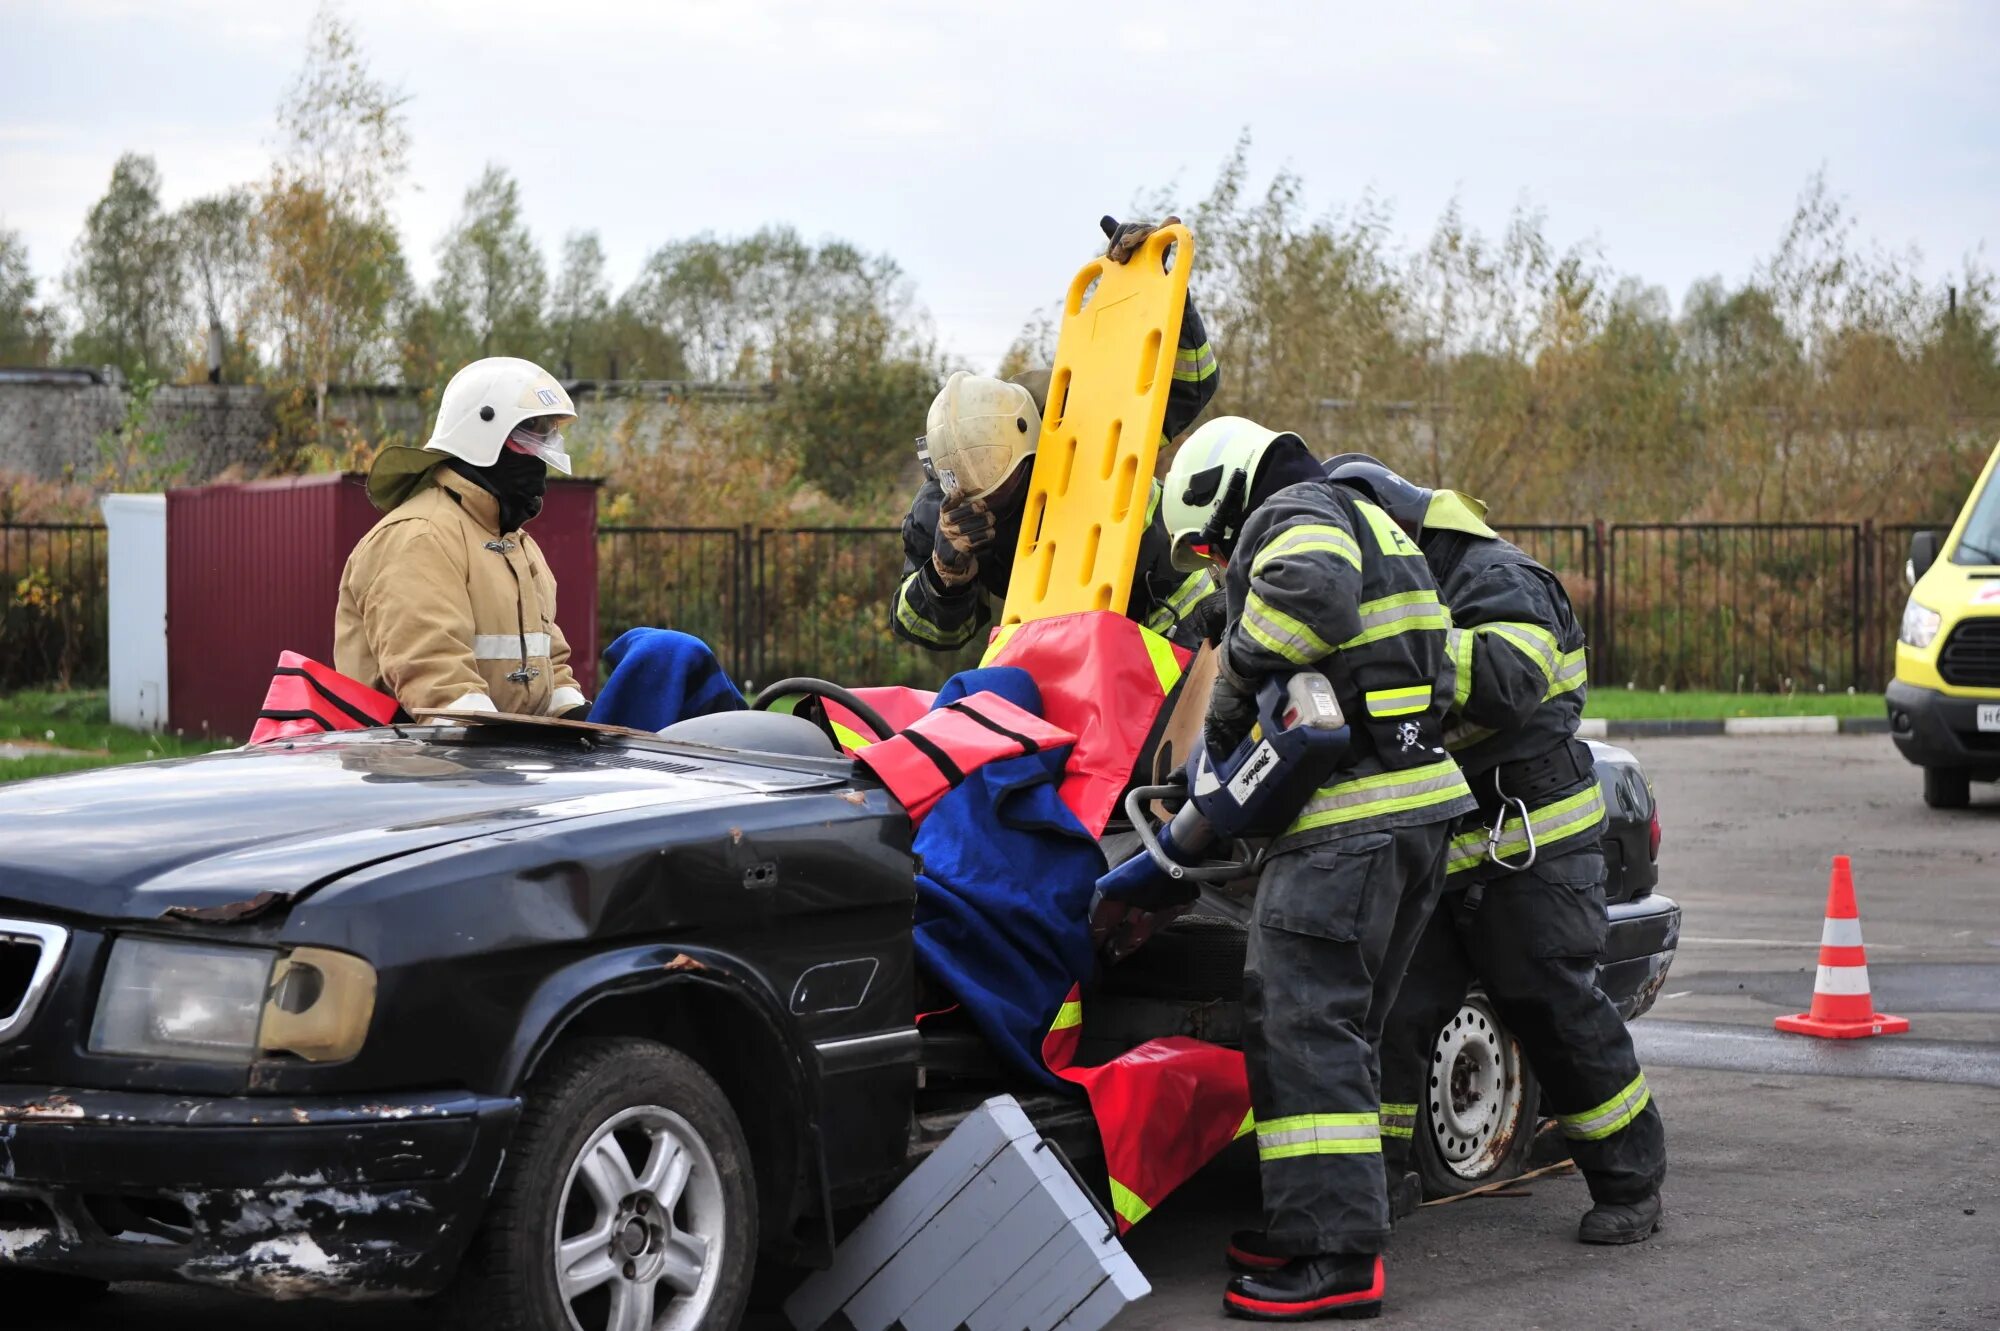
(900, 707)
(1104, 679)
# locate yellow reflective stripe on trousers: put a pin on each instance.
(1572, 673)
(1387, 616)
(1531, 640)
(1399, 1120)
(1384, 793)
(907, 616)
(1319, 1134)
(1458, 649)
(1280, 634)
(1307, 538)
(1398, 702)
(1570, 816)
(1129, 1205)
(1598, 1123)
(1194, 364)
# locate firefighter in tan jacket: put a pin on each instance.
(447, 603)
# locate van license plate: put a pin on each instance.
(1989, 716)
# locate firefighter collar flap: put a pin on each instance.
(1451, 511)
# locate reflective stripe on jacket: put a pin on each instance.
(1324, 579)
(440, 608)
(926, 612)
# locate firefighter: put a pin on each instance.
(447, 603)
(1318, 577)
(1523, 908)
(965, 522)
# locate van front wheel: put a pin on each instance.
(1947, 788)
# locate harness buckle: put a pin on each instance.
(1520, 807)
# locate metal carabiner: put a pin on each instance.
(1499, 824)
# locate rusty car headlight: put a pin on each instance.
(202, 1002)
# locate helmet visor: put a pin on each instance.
(1191, 551)
(542, 438)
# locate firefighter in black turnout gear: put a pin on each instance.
(1318, 577)
(1523, 909)
(965, 522)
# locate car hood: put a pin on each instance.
(214, 832)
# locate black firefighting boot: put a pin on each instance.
(1620, 1222)
(1344, 1285)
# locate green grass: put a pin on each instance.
(1640, 705)
(78, 719)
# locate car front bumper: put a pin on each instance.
(1639, 948)
(354, 1198)
(1934, 729)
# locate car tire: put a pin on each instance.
(629, 1168)
(1947, 788)
(1480, 1108)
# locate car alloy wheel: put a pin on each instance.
(641, 1227)
(1475, 1092)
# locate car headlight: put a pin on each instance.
(217, 1004)
(1920, 624)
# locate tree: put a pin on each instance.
(27, 334)
(126, 279)
(218, 241)
(334, 259)
(580, 309)
(491, 281)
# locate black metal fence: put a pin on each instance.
(1732, 606)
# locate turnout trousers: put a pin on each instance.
(1531, 940)
(1331, 932)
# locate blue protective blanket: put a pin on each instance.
(1003, 901)
(657, 677)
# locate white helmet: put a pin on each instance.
(978, 431)
(1208, 484)
(502, 398)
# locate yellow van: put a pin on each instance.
(1944, 704)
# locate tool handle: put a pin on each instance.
(1215, 872)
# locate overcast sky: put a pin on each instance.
(979, 143)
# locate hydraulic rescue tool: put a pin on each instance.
(1255, 791)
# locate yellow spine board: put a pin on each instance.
(1088, 494)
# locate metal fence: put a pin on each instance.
(54, 625)
(1732, 606)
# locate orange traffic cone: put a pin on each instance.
(1841, 1007)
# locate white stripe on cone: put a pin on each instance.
(1842, 980)
(1840, 933)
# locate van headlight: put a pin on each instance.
(201, 1002)
(1920, 624)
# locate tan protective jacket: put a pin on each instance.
(442, 609)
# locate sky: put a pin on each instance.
(978, 144)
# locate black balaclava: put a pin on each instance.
(1286, 462)
(517, 480)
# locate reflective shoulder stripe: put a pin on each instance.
(1129, 1205)
(1601, 1121)
(1531, 640)
(1398, 702)
(1458, 645)
(1307, 538)
(1194, 364)
(1384, 793)
(1319, 1134)
(1570, 816)
(1387, 616)
(1280, 634)
(916, 624)
(1388, 535)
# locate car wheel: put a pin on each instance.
(627, 1203)
(1947, 788)
(1476, 1124)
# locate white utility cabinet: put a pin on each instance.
(136, 547)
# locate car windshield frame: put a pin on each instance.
(1978, 543)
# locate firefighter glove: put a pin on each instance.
(1232, 710)
(1127, 237)
(964, 531)
(1209, 618)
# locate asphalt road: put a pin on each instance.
(1813, 1185)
